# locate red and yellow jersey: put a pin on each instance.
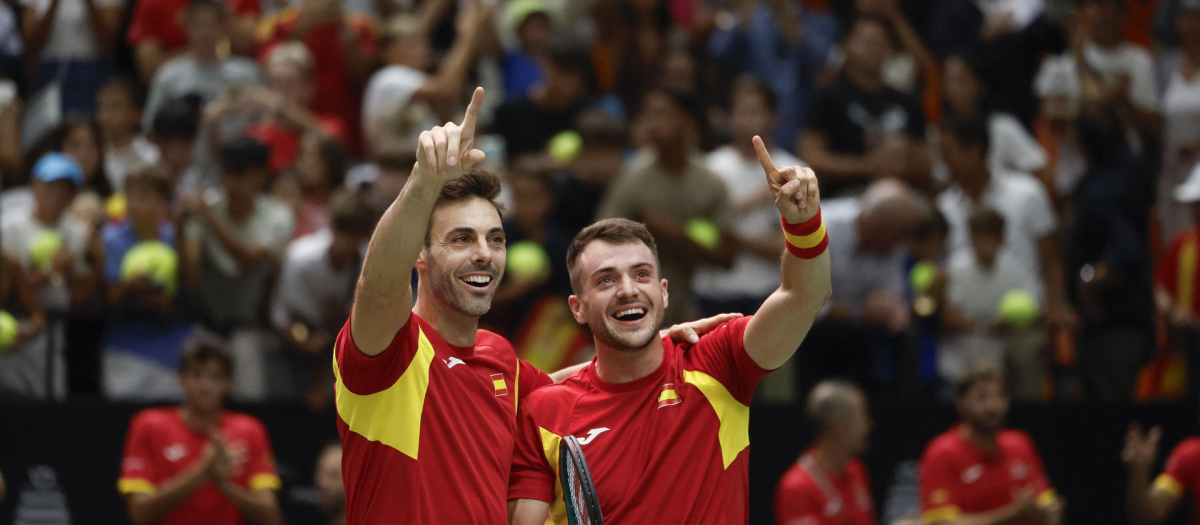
(956, 477)
(808, 494)
(1177, 271)
(160, 446)
(672, 447)
(1182, 474)
(427, 428)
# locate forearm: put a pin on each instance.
(36, 29)
(1052, 272)
(785, 318)
(431, 12)
(448, 81)
(247, 257)
(383, 298)
(257, 506)
(145, 509)
(149, 57)
(1137, 494)
(104, 24)
(12, 161)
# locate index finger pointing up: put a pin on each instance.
(764, 157)
(468, 123)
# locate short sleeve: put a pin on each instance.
(1039, 213)
(530, 378)
(722, 355)
(938, 487)
(532, 476)
(363, 374)
(260, 467)
(139, 474)
(1143, 85)
(276, 230)
(146, 23)
(794, 505)
(1181, 470)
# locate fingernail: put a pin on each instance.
(453, 161)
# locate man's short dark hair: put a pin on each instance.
(154, 177)
(888, 28)
(202, 351)
(970, 131)
(827, 401)
(175, 120)
(476, 183)
(986, 221)
(748, 83)
(244, 154)
(685, 102)
(570, 54)
(976, 373)
(350, 212)
(933, 223)
(132, 88)
(612, 231)
(598, 129)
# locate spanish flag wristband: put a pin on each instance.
(806, 240)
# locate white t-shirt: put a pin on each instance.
(1028, 216)
(184, 75)
(1181, 126)
(19, 231)
(71, 35)
(1126, 60)
(975, 292)
(118, 163)
(309, 289)
(751, 275)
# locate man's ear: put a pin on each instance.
(421, 265)
(576, 309)
(665, 295)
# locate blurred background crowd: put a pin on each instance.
(1009, 180)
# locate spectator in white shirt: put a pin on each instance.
(977, 280)
(1180, 112)
(1031, 226)
(313, 295)
(1123, 71)
(755, 271)
(72, 42)
(119, 111)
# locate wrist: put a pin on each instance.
(808, 239)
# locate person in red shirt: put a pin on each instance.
(1151, 504)
(829, 484)
(426, 401)
(665, 426)
(981, 473)
(156, 31)
(197, 463)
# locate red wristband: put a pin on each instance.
(808, 239)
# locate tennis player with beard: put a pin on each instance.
(665, 426)
(426, 401)
(980, 473)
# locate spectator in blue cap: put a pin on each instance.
(62, 260)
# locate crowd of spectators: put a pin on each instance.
(1011, 180)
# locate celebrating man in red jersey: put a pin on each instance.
(981, 473)
(198, 464)
(426, 401)
(665, 426)
(1152, 504)
(829, 485)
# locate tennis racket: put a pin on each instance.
(579, 492)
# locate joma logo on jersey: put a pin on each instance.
(668, 396)
(592, 435)
(500, 385)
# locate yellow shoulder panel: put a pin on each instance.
(550, 444)
(734, 434)
(391, 416)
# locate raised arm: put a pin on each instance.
(383, 298)
(785, 317)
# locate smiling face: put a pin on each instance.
(464, 256)
(619, 294)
